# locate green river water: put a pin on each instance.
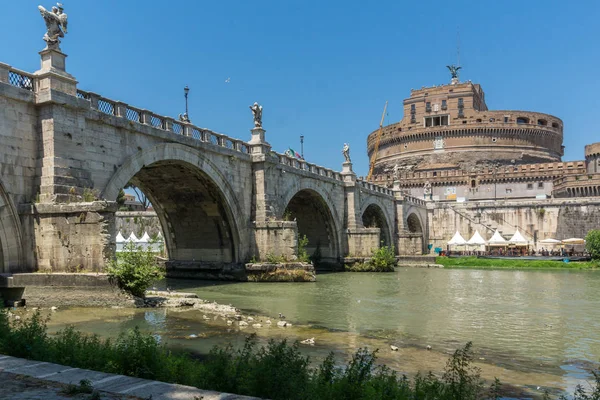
(529, 328)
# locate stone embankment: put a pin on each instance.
(44, 380)
(281, 272)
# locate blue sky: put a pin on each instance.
(323, 69)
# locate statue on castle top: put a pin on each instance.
(396, 172)
(346, 152)
(453, 70)
(56, 24)
(257, 114)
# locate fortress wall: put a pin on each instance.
(535, 219)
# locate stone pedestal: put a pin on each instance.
(258, 136)
(396, 185)
(347, 167)
(53, 75)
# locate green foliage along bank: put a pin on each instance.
(491, 263)
(134, 270)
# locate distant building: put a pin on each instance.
(450, 139)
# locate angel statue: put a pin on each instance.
(257, 113)
(396, 172)
(56, 24)
(346, 152)
(453, 70)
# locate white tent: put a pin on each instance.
(132, 238)
(457, 240)
(476, 239)
(518, 239)
(145, 238)
(120, 238)
(497, 240)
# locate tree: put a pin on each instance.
(592, 243)
(121, 199)
(140, 196)
(134, 270)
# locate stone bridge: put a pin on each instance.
(66, 154)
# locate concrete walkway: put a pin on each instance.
(117, 384)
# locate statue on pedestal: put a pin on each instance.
(56, 25)
(453, 71)
(257, 114)
(396, 172)
(346, 152)
(427, 190)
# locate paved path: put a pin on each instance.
(42, 380)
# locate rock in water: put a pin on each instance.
(428, 347)
(250, 319)
(53, 308)
(193, 336)
(281, 324)
(308, 341)
(229, 322)
(256, 325)
(394, 348)
(268, 322)
(243, 323)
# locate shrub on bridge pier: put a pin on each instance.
(383, 259)
(134, 270)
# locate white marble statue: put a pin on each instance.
(396, 172)
(56, 24)
(346, 152)
(257, 114)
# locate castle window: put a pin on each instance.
(413, 111)
(461, 102)
(465, 121)
(555, 125)
(540, 185)
(473, 183)
(508, 190)
(529, 186)
(444, 105)
(505, 119)
(478, 120)
(434, 173)
(436, 121)
(492, 119)
(494, 140)
(522, 120)
(542, 122)
(428, 106)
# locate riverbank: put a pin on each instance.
(473, 262)
(277, 370)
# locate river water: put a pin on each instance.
(529, 328)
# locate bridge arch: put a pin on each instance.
(373, 214)
(316, 217)
(200, 215)
(11, 246)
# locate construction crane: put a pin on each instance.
(376, 148)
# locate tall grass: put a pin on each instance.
(474, 262)
(276, 371)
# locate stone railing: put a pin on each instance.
(415, 200)
(16, 77)
(303, 165)
(375, 188)
(145, 117)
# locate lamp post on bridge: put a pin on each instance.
(302, 146)
(185, 117)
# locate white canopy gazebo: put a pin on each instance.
(550, 242)
(457, 240)
(120, 241)
(518, 240)
(574, 241)
(497, 240)
(132, 238)
(476, 240)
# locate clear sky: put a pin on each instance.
(323, 69)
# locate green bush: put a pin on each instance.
(134, 270)
(384, 258)
(275, 371)
(592, 243)
(302, 253)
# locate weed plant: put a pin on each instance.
(134, 270)
(383, 259)
(275, 371)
